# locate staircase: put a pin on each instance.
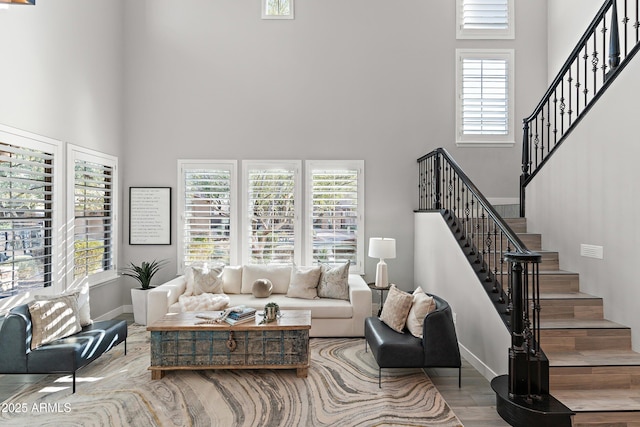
(592, 369)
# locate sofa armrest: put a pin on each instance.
(360, 298)
(440, 342)
(160, 298)
(15, 340)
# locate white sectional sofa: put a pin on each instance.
(329, 317)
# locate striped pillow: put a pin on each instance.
(53, 319)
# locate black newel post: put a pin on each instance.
(436, 172)
(518, 366)
(614, 40)
(525, 166)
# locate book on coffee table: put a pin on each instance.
(246, 312)
(245, 319)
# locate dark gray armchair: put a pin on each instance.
(437, 349)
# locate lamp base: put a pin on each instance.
(382, 279)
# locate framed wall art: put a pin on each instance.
(149, 215)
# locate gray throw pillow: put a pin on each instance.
(334, 282)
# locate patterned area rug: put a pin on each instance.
(341, 390)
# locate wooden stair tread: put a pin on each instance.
(600, 400)
(593, 358)
(580, 324)
(557, 272)
(566, 296)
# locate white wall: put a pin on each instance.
(588, 193)
(568, 20)
(358, 79)
(61, 77)
(441, 268)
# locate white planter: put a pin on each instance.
(139, 302)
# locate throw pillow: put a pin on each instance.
(278, 274)
(262, 288)
(304, 282)
(232, 279)
(334, 282)
(422, 305)
(396, 308)
(207, 281)
(53, 319)
(84, 307)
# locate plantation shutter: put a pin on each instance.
(334, 215)
(26, 199)
(485, 15)
(93, 218)
(206, 216)
(272, 215)
(485, 96)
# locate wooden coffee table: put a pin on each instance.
(179, 343)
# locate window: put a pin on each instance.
(277, 9)
(271, 212)
(269, 226)
(207, 212)
(484, 112)
(335, 215)
(29, 219)
(485, 19)
(92, 226)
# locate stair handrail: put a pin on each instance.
(518, 245)
(578, 98)
(481, 230)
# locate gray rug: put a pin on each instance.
(341, 390)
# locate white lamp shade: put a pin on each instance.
(383, 248)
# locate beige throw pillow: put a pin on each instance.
(232, 279)
(304, 282)
(334, 282)
(396, 308)
(423, 304)
(53, 319)
(84, 308)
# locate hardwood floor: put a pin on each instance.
(474, 403)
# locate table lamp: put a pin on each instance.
(383, 248)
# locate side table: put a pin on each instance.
(381, 289)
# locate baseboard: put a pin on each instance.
(115, 313)
(479, 366)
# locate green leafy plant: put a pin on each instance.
(144, 272)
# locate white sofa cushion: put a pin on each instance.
(278, 274)
(320, 309)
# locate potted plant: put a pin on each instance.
(143, 273)
(271, 312)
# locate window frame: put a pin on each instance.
(77, 153)
(310, 167)
(24, 139)
(488, 34)
(232, 167)
(295, 166)
(266, 15)
(485, 140)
